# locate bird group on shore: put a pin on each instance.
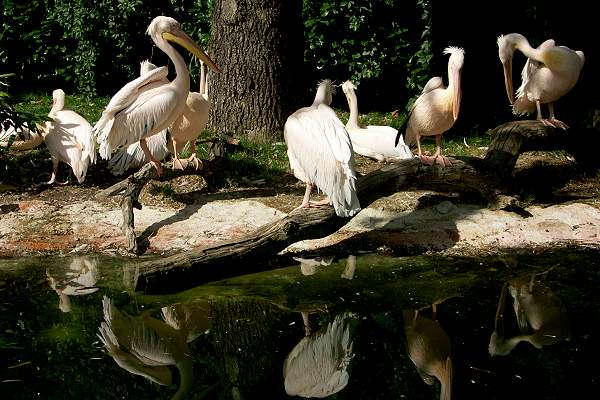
(151, 117)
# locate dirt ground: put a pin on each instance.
(562, 205)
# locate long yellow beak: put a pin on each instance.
(184, 40)
(508, 81)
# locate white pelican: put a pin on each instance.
(318, 365)
(549, 73)
(320, 153)
(148, 105)
(192, 121)
(541, 316)
(436, 109)
(147, 346)
(24, 138)
(186, 128)
(429, 349)
(374, 141)
(69, 138)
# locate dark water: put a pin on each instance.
(231, 339)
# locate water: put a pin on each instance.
(232, 339)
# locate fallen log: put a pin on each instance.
(251, 253)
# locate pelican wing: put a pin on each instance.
(523, 105)
(129, 98)
(141, 119)
(81, 130)
(320, 153)
(133, 156)
(432, 84)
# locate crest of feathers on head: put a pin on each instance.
(457, 53)
(501, 40)
(328, 85)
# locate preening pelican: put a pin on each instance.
(147, 105)
(320, 153)
(436, 109)
(429, 349)
(549, 73)
(69, 138)
(541, 316)
(374, 141)
(318, 365)
(147, 346)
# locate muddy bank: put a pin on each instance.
(403, 221)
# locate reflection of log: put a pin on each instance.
(473, 175)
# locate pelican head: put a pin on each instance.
(166, 28)
(325, 92)
(455, 64)
(506, 48)
(348, 87)
(58, 102)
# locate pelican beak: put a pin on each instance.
(457, 93)
(508, 80)
(182, 38)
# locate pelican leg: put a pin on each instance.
(555, 122)
(306, 199)
(54, 174)
(438, 158)
(424, 159)
(177, 164)
(149, 156)
(195, 161)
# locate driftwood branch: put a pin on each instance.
(486, 177)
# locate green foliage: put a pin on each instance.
(88, 47)
(370, 42)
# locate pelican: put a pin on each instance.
(148, 104)
(318, 365)
(429, 349)
(549, 73)
(373, 141)
(436, 109)
(320, 153)
(24, 138)
(186, 128)
(69, 138)
(541, 316)
(190, 124)
(147, 346)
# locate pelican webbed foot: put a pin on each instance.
(178, 164)
(195, 161)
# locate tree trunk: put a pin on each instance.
(258, 45)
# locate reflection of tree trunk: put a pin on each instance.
(258, 45)
(244, 342)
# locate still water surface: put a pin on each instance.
(365, 327)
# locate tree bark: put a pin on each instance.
(258, 45)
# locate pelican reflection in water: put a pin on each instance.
(428, 348)
(541, 316)
(77, 279)
(148, 346)
(318, 365)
